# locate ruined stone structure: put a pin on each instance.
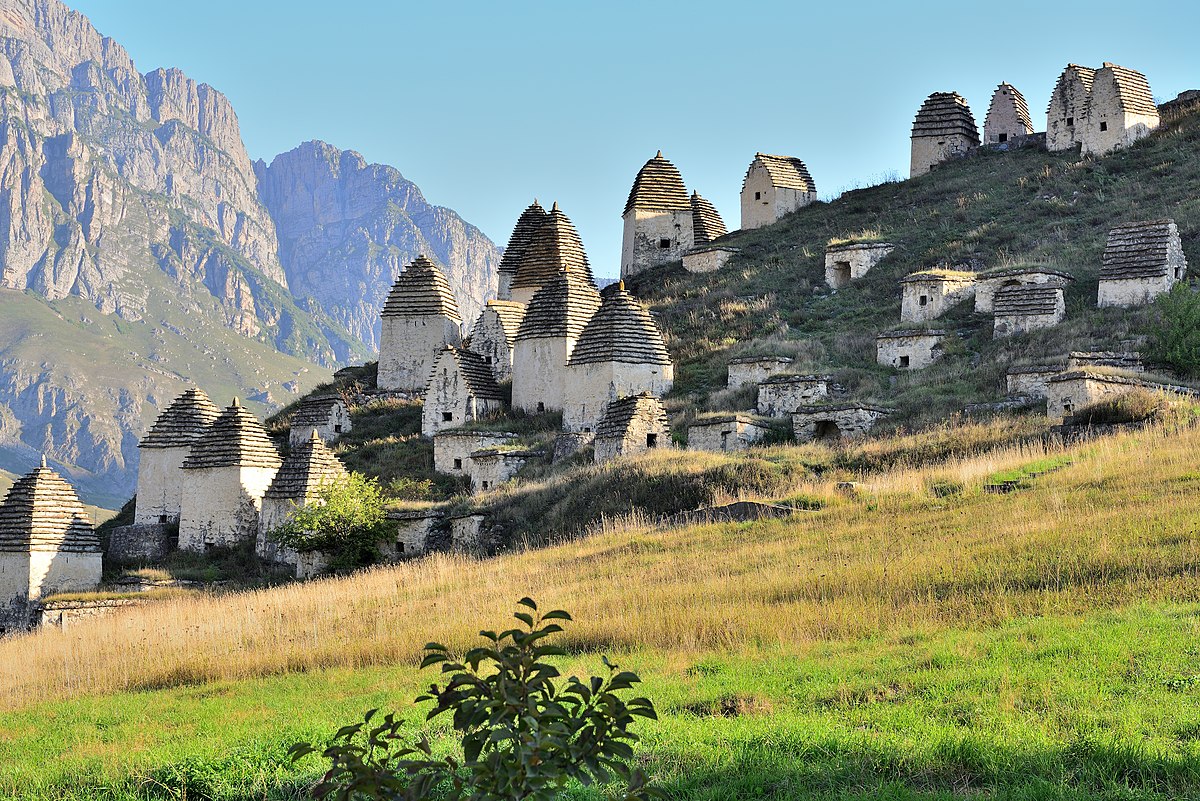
(1184, 104)
(452, 449)
(228, 471)
(909, 350)
(420, 318)
(528, 224)
(708, 259)
(630, 426)
(707, 224)
(943, 129)
(492, 467)
(1008, 117)
(1021, 309)
(413, 530)
(992, 281)
(1114, 360)
(495, 335)
(466, 534)
(620, 352)
(929, 294)
(774, 186)
(835, 421)
(1067, 393)
(1142, 260)
(1030, 381)
(658, 218)
(47, 546)
(327, 416)
(755, 369)
(462, 389)
(732, 432)
(553, 323)
(781, 394)
(309, 467)
(850, 261)
(555, 247)
(163, 451)
(1099, 110)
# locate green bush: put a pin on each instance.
(1175, 335)
(346, 520)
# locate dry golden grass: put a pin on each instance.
(1114, 527)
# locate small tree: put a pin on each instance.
(523, 736)
(1175, 338)
(347, 520)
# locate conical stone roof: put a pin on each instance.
(706, 222)
(658, 187)
(1133, 90)
(315, 411)
(785, 172)
(42, 513)
(523, 233)
(475, 372)
(183, 422)
(555, 247)
(561, 308)
(309, 466)
(1007, 101)
(236, 439)
(1073, 72)
(945, 114)
(509, 313)
(421, 291)
(621, 331)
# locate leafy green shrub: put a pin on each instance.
(346, 520)
(523, 736)
(1175, 335)
(1128, 407)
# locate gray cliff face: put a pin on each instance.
(346, 228)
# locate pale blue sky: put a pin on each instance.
(486, 105)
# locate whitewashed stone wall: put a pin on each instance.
(465, 533)
(928, 151)
(646, 232)
(159, 485)
(221, 506)
(742, 372)
(1066, 116)
(491, 468)
(986, 288)
(764, 204)
(337, 424)
(1069, 392)
(733, 434)
(274, 513)
(452, 449)
(914, 351)
(708, 260)
(589, 388)
(448, 400)
(834, 423)
(644, 433)
(14, 591)
(539, 368)
(412, 531)
(846, 263)
(1030, 382)
(779, 398)
(1127, 292)
(1109, 127)
(408, 347)
(489, 341)
(922, 301)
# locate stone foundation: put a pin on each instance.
(142, 543)
(835, 422)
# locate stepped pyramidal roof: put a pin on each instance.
(510, 315)
(183, 422)
(1133, 90)
(706, 222)
(785, 172)
(310, 466)
(620, 413)
(1007, 95)
(475, 371)
(523, 233)
(1027, 299)
(658, 187)
(554, 247)
(235, 439)
(421, 291)
(315, 411)
(42, 513)
(945, 114)
(561, 308)
(1142, 250)
(621, 331)
(1073, 72)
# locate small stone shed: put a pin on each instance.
(929, 294)
(466, 533)
(462, 389)
(943, 129)
(326, 415)
(782, 394)
(491, 467)
(413, 530)
(420, 317)
(1069, 392)
(708, 259)
(912, 349)
(162, 451)
(1022, 309)
(835, 421)
(849, 261)
(1030, 380)
(1008, 117)
(1142, 260)
(632, 425)
(452, 449)
(773, 187)
(755, 369)
(732, 432)
(495, 335)
(992, 281)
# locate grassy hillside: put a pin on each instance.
(923, 639)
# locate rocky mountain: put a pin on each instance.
(139, 252)
(346, 228)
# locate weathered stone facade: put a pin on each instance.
(989, 283)
(1008, 117)
(466, 534)
(327, 416)
(492, 467)
(909, 350)
(658, 222)
(1022, 309)
(142, 543)
(1082, 360)
(943, 129)
(630, 426)
(69, 614)
(735, 432)
(834, 422)
(755, 369)
(495, 335)
(929, 294)
(1030, 381)
(1066, 114)
(1099, 110)
(708, 259)
(1142, 260)
(420, 318)
(553, 323)
(413, 530)
(780, 395)
(462, 389)
(228, 471)
(773, 187)
(162, 452)
(1067, 393)
(452, 449)
(850, 261)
